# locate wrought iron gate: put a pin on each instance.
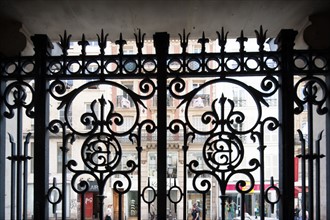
(163, 129)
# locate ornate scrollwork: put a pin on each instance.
(108, 116)
(16, 95)
(223, 152)
(313, 91)
(223, 149)
(101, 152)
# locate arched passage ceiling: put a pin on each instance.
(52, 17)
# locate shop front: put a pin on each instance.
(252, 202)
(91, 204)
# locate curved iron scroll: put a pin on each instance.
(223, 150)
(101, 150)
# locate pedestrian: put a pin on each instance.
(152, 212)
(232, 210)
(227, 209)
(296, 213)
(195, 212)
(108, 214)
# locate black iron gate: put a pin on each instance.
(115, 119)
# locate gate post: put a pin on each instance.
(161, 42)
(2, 150)
(285, 41)
(42, 47)
(327, 152)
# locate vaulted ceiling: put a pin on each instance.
(52, 17)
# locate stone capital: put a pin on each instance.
(12, 41)
(317, 34)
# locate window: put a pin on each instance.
(128, 122)
(69, 114)
(93, 43)
(272, 101)
(128, 156)
(239, 97)
(152, 165)
(169, 100)
(88, 108)
(202, 166)
(60, 156)
(172, 162)
(123, 99)
(196, 85)
(92, 68)
(128, 49)
(32, 159)
(32, 124)
(68, 84)
(202, 97)
(198, 124)
(196, 48)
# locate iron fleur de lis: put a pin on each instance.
(241, 41)
(65, 43)
(261, 38)
(203, 41)
(102, 40)
(139, 39)
(83, 43)
(121, 42)
(222, 38)
(184, 41)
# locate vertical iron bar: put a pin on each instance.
(82, 205)
(204, 206)
(303, 176)
(161, 42)
(19, 160)
(223, 206)
(101, 204)
(327, 152)
(101, 197)
(242, 206)
(64, 179)
(139, 149)
(13, 179)
(2, 151)
(310, 155)
(25, 176)
(285, 41)
(185, 193)
(120, 207)
(262, 181)
(317, 183)
(42, 48)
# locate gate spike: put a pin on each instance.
(139, 39)
(121, 44)
(83, 43)
(241, 41)
(261, 38)
(102, 41)
(203, 41)
(222, 39)
(184, 41)
(65, 43)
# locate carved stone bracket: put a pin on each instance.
(12, 40)
(317, 34)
